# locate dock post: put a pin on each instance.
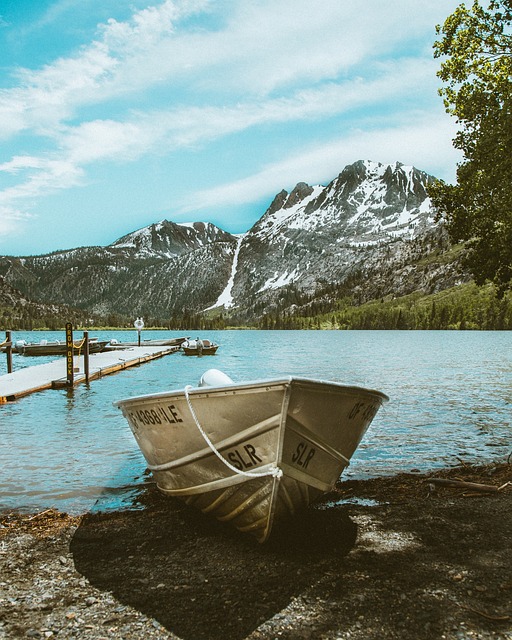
(8, 350)
(69, 355)
(86, 356)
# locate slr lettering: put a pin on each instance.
(244, 459)
(303, 455)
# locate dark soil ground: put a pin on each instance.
(394, 557)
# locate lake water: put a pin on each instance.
(450, 400)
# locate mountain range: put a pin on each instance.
(370, 233)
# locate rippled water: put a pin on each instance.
(451, 399)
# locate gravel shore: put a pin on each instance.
(394, 557)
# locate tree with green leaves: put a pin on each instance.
(476, 68)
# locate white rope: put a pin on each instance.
(274, 471)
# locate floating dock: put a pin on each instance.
(52, 375)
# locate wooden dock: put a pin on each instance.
(53, 374)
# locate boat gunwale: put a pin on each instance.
(259, 384)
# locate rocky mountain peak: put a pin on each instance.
(284, 200)
(299, 193)
(278, 202)
(169, 239)
(367, 202)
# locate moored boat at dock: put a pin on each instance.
(114, 344)
(199, 347)
(253, 453)
(57, 347)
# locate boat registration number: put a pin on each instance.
(158, 415)
(364, 410)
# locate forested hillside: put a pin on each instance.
(17, 312)
(466, 307)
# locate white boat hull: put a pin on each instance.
(300, 433)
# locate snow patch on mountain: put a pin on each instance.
(280, 280)
(294, 217)
(226, 298)
(287, 211)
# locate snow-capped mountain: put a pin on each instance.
(370, 232)
(369, 217)
(169, 239)
(367, 202)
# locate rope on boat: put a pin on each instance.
(274, 471)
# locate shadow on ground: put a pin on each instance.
(199, 578)
(428, 563)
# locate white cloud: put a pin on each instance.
(264, 46)
(415, 143)
(22, 162)
(151, 132)
(54, 11)
(267, 46)
(47, 176)
(261, 64)
(12, 221)
(176, 128)
(46, 97)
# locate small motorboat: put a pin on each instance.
(57, 347)
(253, 453)
(115, 345)
(199, 347)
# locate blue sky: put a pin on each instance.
(116, 114)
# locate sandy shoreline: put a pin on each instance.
(394, 557)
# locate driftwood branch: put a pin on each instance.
(462, 484)
(488, 616)
(40, 513)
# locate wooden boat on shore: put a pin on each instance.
(199, 347)
(57, 347)
(254, 453)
